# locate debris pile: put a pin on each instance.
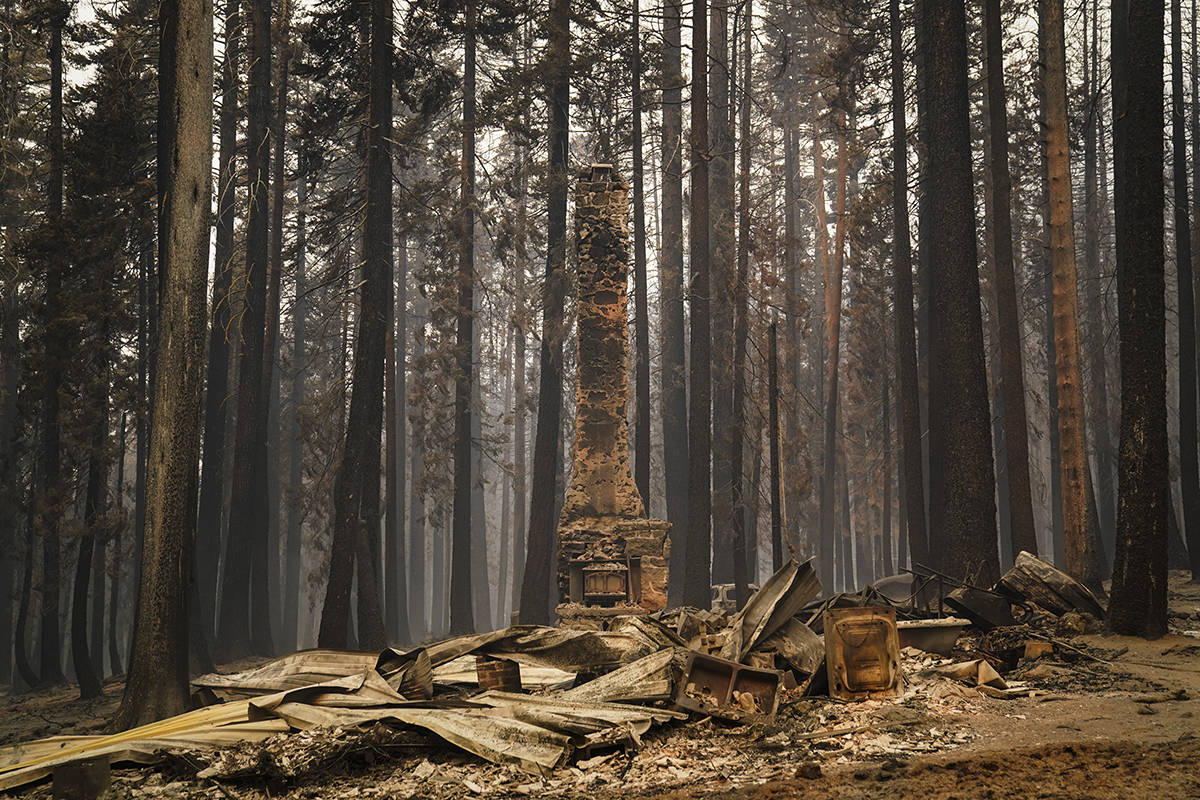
(556, 709)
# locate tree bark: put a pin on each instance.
(243, 624)
(114, 603)
(397, 606)
(24, 666)
(480, 585)
(884, 546)
(1189, 467)
(295, 517)
(722, 278)
(1081, 558)
(641, 308)
(462, 618)
(1095, 344)
(962, 486)
(11, 486)
(743, 562)
(146, 301)
(501, 584)
(356, 485)
(1194, 545)
(86, 673)
(834, 270)
(674, 348)
(519, 436)
(697, 589)
(1012, 377)
(216, 409)
(773, 433)
(908, 391)
(1138, 603)
(157, 684)
(269, 545)
(51, 498)
(544, 496)
(419, 608)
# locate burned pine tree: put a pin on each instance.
(1138, 605)
(673, 402)
(962, 480)
(1079, 522)
(908, 405)
(244, 626)
(543, 501)
(221, 333)
(157, 683)
(462, 617)
(698, 547)
(357, 483)
(1012, 374)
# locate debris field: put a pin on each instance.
(928, 696)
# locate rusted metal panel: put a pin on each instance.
(724, 688)
(862, 652)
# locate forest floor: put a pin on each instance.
(1115, 717)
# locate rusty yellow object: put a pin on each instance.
(862, 652)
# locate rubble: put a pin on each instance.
(690, 693)
(1033, 580)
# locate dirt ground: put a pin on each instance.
(1111, 717)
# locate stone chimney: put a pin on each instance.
(612, 557)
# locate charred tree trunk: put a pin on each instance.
(114, 603)
(1012, 377)
(86, 672)
(157, 684)
(11, 485)
(51, 497)
(908, 391)
(674, 348)
(480, 540)
(1138, 604)
(744, 558)
(1095, 343)
(1189, 467)
(503, 592)
(269, 545)
(216, 410)
(697, 587)
(295, 518)
(398, 608)
(641, 308)
(834, 270)
(722, 277)
(392, 608)
(24, 665)
(243, 624)
(519, 436)
(462, 617)
(141, 426)
(884, 546)
(1194, 544)
(419, 609)
(773, 433)
(356, 485)
(544, 496)
(962, 485)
